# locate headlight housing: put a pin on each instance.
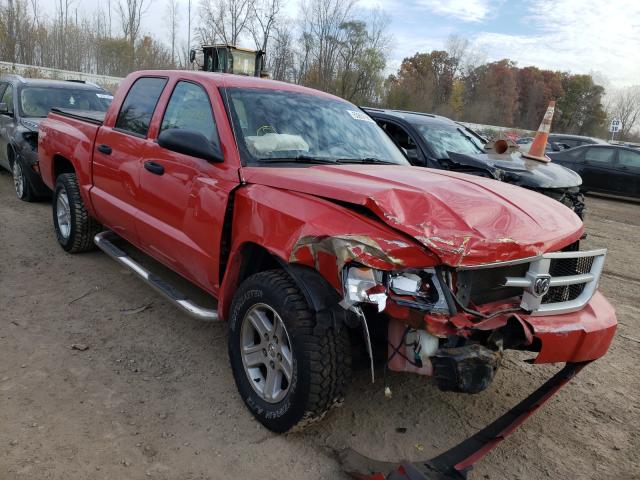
(418, 289)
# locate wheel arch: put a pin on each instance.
(60, 165)
(11, 153)
(251, 258)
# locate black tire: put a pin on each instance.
(82, 227)
(25, 191)
(321, 355)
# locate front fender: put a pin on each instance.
(301, 229)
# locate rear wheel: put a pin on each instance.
(289, 370)
(21, 182)
(75, 228)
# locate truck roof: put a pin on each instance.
(232, 80)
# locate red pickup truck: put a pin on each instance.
(295, 211)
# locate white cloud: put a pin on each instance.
(464, 10)
(578, 36)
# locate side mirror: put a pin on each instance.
(4, 109)
(190, 142)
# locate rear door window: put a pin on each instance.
(139, 104)
(190, 109)
(598, 155)
(627, 158)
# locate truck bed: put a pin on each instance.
(92, 116)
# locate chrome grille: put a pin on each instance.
(571, 279)
(564, 267)
(550, 284)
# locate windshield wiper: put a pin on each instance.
(298, 159)
(371, 160)
(464, 134)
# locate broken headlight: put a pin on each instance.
(366, 285)
(416, 288)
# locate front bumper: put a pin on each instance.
(575, 337)
(579, 336)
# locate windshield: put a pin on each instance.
(444, 138)
(276, 126)
(244, 63)
(37, 101)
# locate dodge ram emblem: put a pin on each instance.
(541, 285)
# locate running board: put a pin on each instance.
(180, 300)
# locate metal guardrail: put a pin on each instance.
(57, 74)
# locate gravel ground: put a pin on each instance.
(152, 396)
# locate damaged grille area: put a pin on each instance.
(550, 284)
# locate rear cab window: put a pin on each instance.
(139, 104)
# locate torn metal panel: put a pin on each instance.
(345, 249)
(462, 219)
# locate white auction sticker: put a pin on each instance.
(360, 116)
(104, 95)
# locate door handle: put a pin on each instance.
(154, 167)
(106, 149)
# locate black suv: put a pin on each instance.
(439, 142)
(23, 103)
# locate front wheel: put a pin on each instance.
(75, 228)
(289, 370)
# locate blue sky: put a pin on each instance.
(581, 36)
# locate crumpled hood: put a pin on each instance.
(464, 219)
(522, 171)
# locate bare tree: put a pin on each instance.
(173, 20)
(265, 18)
(624, 104)
(281, 55)
(322, 32)
(131, 13)
(224, 20)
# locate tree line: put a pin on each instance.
(331, 45)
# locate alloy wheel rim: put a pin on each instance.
(18, 179)
(63, 213)
(266, 353)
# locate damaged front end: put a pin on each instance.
(453, 324)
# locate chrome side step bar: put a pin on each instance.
(102, 240)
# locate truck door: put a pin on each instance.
(183, 199)
(116, 158)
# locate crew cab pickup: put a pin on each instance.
(305, 222)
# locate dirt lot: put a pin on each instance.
(153, 396)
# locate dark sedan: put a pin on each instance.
(604, 168)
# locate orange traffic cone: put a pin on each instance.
(537, 150)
